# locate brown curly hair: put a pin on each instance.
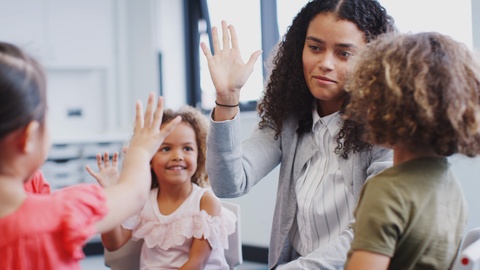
(287, 94)
(421, 91)
(196, 120)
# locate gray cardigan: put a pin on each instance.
(234, 167)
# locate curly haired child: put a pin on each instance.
(418, 94)
(183, 224)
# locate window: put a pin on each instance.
(444, 17)
(245, 16)
(250, 19)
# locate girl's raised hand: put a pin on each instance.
(147, 135)
(228, 71)
(107, 171)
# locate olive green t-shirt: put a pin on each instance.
(414, 213)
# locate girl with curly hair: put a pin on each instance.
(323, 160)
(183, 224)
(418, 94)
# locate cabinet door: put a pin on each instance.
(81, 33)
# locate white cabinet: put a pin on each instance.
(61, 33)
(66, 162)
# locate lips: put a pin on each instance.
(324, 80)
(176, 168)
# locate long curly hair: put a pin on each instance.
(198, 122)
(420, 91)
(287, 94)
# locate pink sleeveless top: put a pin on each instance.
(167, 238)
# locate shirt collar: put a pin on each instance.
(331, 122)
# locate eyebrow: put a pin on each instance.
(342, 45)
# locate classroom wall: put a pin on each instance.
(126, 68)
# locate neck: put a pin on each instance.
(12, 194)
(402, 154)
(175, 192)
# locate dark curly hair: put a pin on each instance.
(420, 91)
(287, 94)
(196, 120)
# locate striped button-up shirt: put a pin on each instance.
(325, 204)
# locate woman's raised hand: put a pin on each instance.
(228, 71)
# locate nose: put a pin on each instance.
(177, 155)
(326, 62)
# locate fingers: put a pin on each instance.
(225, 35)
(90, 171)
(216, 42)
(148, 112)
(206, 51)
(99, 161)
(106, 159)
(157, 117)
(138, 117)
(115, 159)
(253, 58)
(169, 127)
(233, 34)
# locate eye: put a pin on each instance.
(345, 54)
(164, 149)
(188, 148)
(314, 48)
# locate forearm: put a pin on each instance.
(234, 167)
(116, 238)
(198, 256)
(128, 196)
(367, 260)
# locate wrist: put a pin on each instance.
(227, 105)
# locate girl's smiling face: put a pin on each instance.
(176, 160)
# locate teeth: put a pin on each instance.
(176, 168)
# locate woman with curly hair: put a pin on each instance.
(418, 94)
(323, 161)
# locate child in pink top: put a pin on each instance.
(48, 231)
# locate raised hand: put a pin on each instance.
(147, 135)
(228, 71)
(108, 173)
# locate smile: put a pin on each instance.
(176, 168)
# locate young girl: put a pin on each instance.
(182, 223)
(48, 231)
(323, 160)
(420, 95)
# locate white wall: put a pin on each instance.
(257, 206)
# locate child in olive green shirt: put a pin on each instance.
(419, 95)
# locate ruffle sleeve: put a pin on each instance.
(215, 229)
(84, 206)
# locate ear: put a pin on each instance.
(27, 139)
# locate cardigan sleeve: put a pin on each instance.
(233, 166)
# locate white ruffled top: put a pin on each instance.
(168, 238)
